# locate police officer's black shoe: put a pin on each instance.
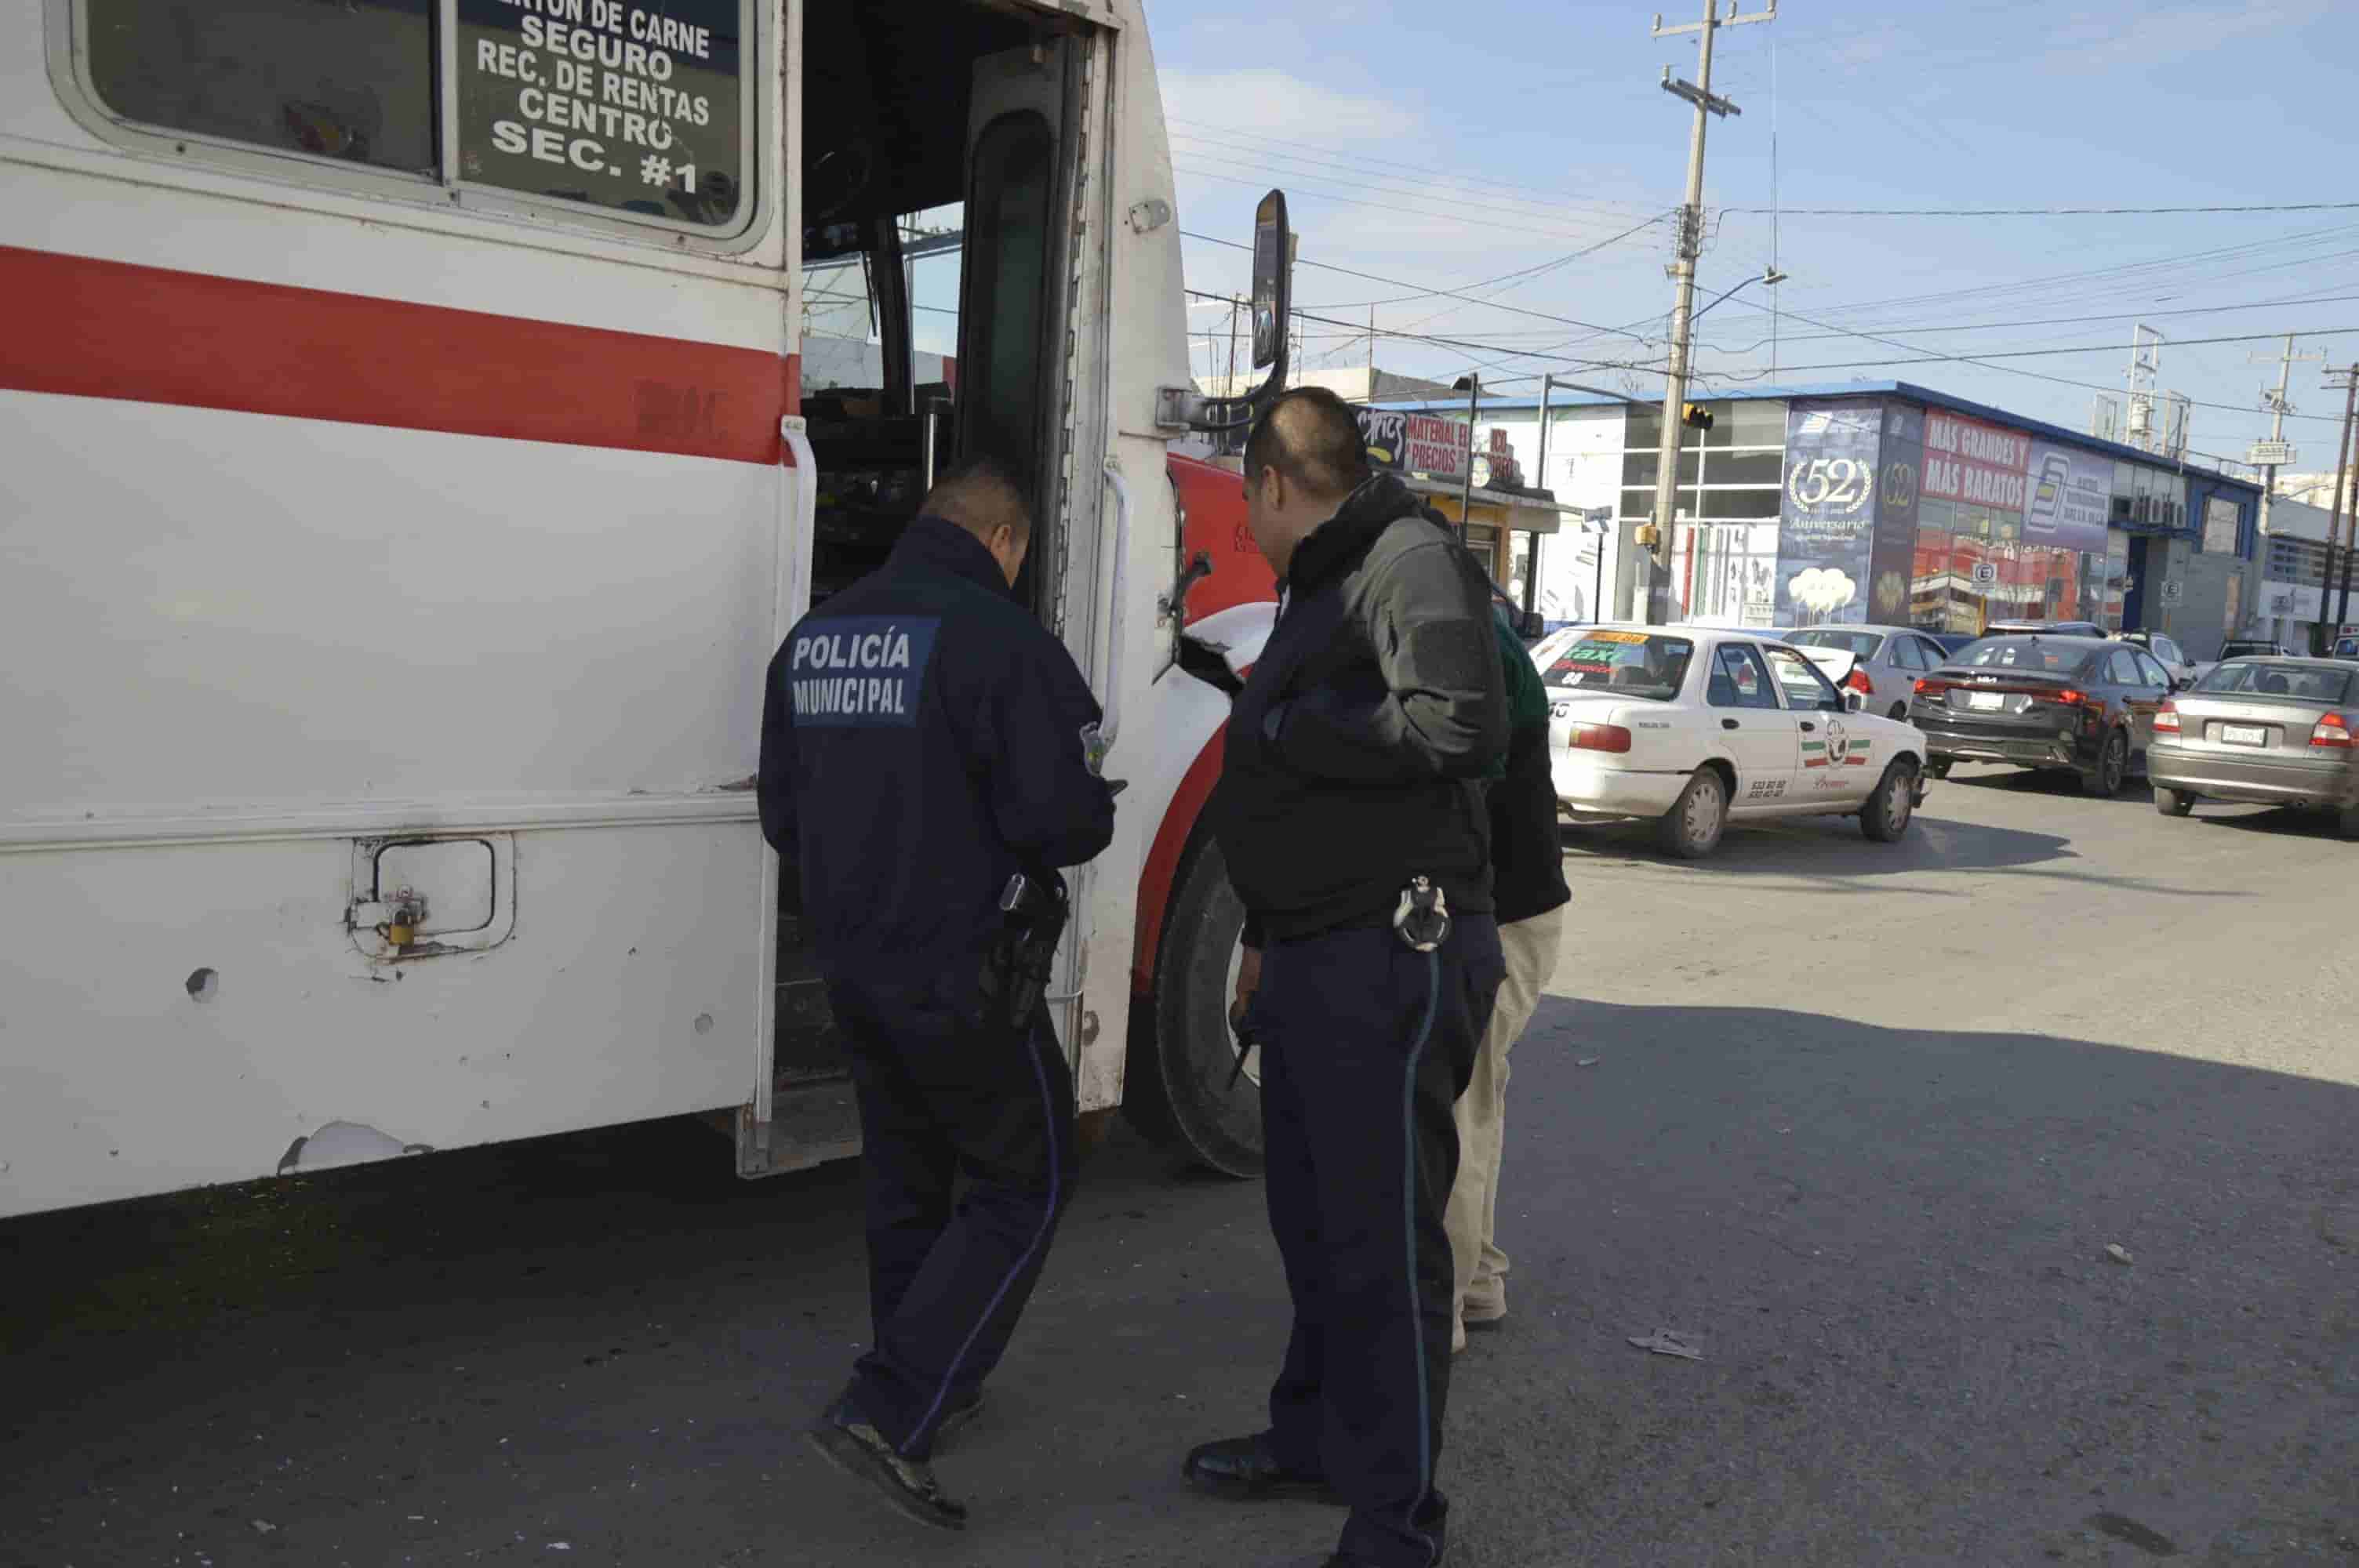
(1248, 1468)
(845, 1439)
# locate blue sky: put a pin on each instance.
(1448, 145)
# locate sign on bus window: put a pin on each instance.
(634, 106)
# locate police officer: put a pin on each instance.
(924, 742)
(1350, 812)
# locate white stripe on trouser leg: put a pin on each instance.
(1023, 1259)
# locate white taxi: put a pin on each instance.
(1697, 725)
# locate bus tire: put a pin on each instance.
(1177, 1088)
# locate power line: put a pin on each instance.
(1297, 187)
(2039, 353)
(1520, 272)
(2041, 211)
(2011, 370)
(1533, 274)
(1436, 182)
(1359, 329)
(2074, 282)
(1414, 191)
(1442, 293)
(2061, 320)
(1204, 130)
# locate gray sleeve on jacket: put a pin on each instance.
(1440, 709)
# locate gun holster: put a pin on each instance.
(1017, 962)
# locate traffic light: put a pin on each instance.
(1695, 416)
(1649, 538)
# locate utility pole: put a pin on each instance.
(2268, 455)
(2335, 523)
(1689, 247)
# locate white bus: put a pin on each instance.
(410, 460)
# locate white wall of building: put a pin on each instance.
(1584, 470)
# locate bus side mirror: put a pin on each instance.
(1184, 408)
(1273, 290)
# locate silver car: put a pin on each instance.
(1881, 664)
(2167, 653)
(2261, 731)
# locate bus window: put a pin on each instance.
(352, 82)
(634, 110)
(1008, 255)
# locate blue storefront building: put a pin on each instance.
(1884, 503)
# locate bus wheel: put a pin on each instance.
(1182, 1086)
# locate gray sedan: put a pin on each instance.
(2261, 731)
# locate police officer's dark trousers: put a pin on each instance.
(1365, 1047)
(942, 1094)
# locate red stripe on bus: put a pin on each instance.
(84, 327)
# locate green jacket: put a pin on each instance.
(1528, 706)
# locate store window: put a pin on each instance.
(1747, 422)
(2116, 578)
(1725, 574)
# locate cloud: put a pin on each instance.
(1266, 102)
(2142, 39)
(1868, 46)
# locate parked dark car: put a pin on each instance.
(2077, 705)
(2261, 731)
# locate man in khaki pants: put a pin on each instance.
(1530, 895)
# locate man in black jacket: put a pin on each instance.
(923, 741)
(1352, 815)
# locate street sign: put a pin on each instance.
(2269, 454)
(2173, 591)
(1985, 571)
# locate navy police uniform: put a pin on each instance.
(921, 742)
(1355, 757)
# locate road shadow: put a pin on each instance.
(1890, 1246)
(2276, 821)
(1830, 853)
(2004, 780)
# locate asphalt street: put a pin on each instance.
(1861, 1122)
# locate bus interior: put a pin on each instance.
(936, 178)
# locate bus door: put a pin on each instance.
(942, 169)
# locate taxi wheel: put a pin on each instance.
(2113, 767)
(2172, 802)
(1181, 1087)
(1693, 826)
(1892, 807)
